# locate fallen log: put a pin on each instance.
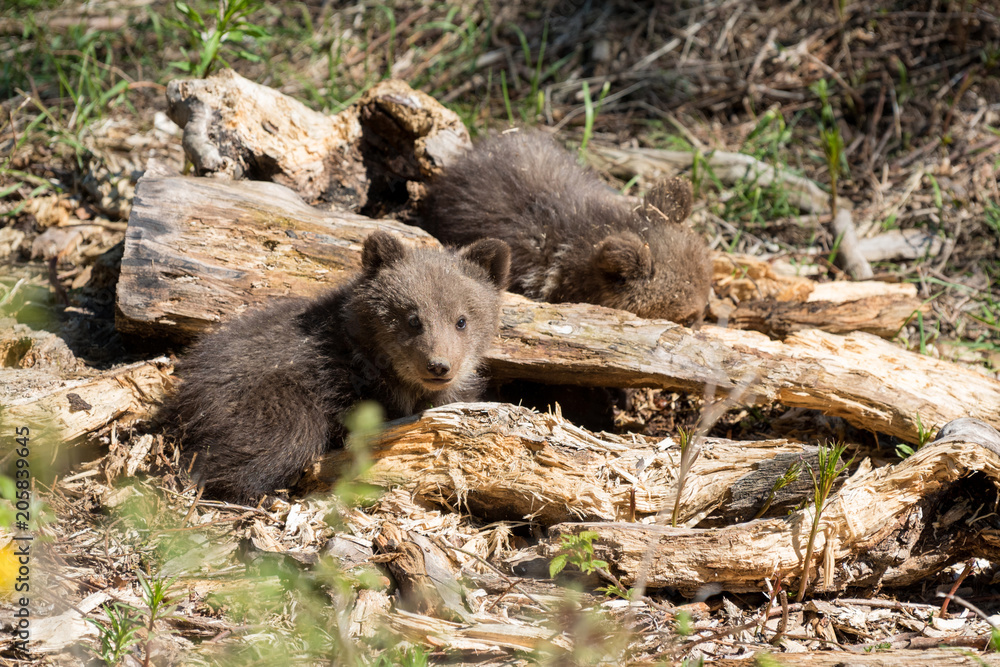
(361, 157)
(70, 408)
(882, 316)
(880, 529)
(753, 296)
(869, 382)
(198, 250)
(505, 462)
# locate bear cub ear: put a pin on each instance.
(669, 200)
(624, 257)
(494, 256)
(381, 249)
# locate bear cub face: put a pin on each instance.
(429, 320)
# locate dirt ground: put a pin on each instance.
(911, 90)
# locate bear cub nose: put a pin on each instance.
(438, 368)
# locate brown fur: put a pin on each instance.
(268, 391)
(571, 237)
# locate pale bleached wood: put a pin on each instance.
(870, 382)
(939, 657)
(756, 297)
(200, 250)
(236, 128)
(480, 637)
(872, 511)
(74, 407)
(505, 462)
(882, 316)
(744, 277)
(840, 291)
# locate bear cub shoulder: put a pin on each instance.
(572, 238)
(268, 391)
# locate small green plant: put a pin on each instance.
(689, 454)
(831, 140)
(577, 550)
(410, 656)
(685, 624)
(118, 634)
(791, 475)
(506, 98)
(617, 590)
(874, 648)
(590, 113)
(536, 96)
(159, 605)
(904, 89)
(230, 26)
(766, 660)
(767, 139)
(828, 456)
(991, 216)
(938, 199)
(924, 436)
(748, 202)
(363, 423)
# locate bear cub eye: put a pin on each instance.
(460, 325)
(413, 321)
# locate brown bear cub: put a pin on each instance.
(268, 391)
(571, 237)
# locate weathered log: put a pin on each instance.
(880, 529)
(939, 657)
(364, 155)
(505, 462)
(869, 382)
(71, 408)
(882, 316)
(199, 250)
(482, 639)
(757, 298)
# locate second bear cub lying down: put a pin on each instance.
(268, 391)
(571, 238)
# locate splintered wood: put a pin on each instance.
(872, 532)
(500, 461)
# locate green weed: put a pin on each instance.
(746, 203)
(684, 624)
(790, 476)
(689, 454)
(769, 138)
(506, 98)
(991, 216)
(831, 141)
(217, 33)
(158, 605)
(590, 114)
(823, 478)
(577, 550)
(924, 436)
(118, 633)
